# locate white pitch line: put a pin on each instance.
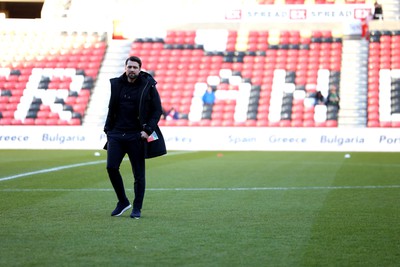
(277, 188)
(51, 170)
(71, 166)
(205, 189)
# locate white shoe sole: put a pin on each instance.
(122, 211)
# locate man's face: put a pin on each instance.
(132, 70)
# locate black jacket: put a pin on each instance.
(150, 111)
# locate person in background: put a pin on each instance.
(313, 98)
(319, 98)
(133, 114)
(209, 96)
(333, 97)
(172, 114)
(378, 11)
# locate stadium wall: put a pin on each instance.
(212, 138)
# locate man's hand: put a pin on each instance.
(144, 135)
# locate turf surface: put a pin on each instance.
(202, 209)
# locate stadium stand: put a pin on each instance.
(262, 78)
(384, 79)
(46, 78)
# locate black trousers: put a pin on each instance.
(120, 144)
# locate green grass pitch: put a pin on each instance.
(202, 209)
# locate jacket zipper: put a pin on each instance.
(141, 98)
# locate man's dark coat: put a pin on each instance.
(150, 111)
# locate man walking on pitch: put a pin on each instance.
(131, 127)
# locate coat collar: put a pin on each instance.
(142, 75)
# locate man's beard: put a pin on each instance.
(132, 76)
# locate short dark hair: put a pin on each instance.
(135, 59)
